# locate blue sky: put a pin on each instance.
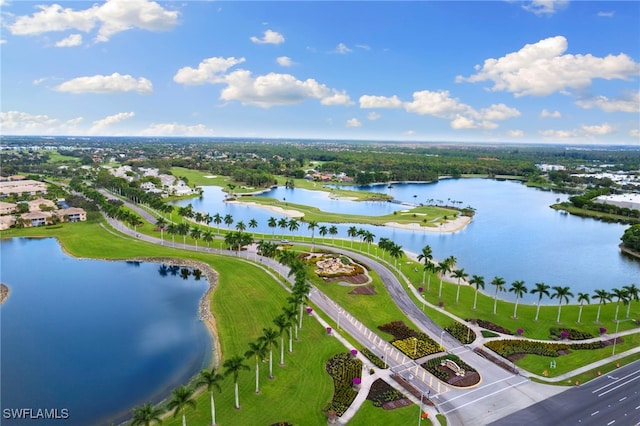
(502, 71)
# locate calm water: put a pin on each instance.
(514, 235)
(97, 338)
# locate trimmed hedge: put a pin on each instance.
(461, 332)
(506, 348)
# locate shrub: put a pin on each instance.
(381, 392)
(571, 334)
(375, 359)
(493, 327)
(507, 348)
(343, 369)
(461, 332)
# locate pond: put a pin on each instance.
(96, 338)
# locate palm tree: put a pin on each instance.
(633, 294)
(425, 256)
(233, 366)
(172, 229)
(283, 327)
(323, 230)
(183, 229)
(207, 237)
(603, 296)
(478, 282)
(561, 293)
(368, 237)
(293, 226)
(258, 350)
(240, 226)
(161, 222)
(460, 274)
(352, 232)
(519, 289)
(291, 315)
(333, 231)
(312, 225)
(543, 290)
(217, 219)
(211, 379)
(270, 339)
(146, 415)
(253, 224)
(445, 267)
(228, 220)
(196, 233)
(396, 252)
(181, 398)
(272, 223)
(622, 296)
(384, 244)
(499, 283)
(582, 297)
(282, 224)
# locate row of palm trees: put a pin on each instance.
(287, 323)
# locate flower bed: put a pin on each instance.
(491, 326)
(343, 368)
(416, 348)
(381, 393)
(571, 334)
(375, 359)
(435, 367)
(461, 332)
(399, 330)
(507, 348)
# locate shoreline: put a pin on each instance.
(275, 209)
(451, 226)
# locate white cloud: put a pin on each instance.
(373, 116)
(111, 17)
(498, 112)
(284, 61)
(634, 133)
(550, 114)
(175, 129)
(3, 41)
(544, 7)
(368, 101)
(410, 132)
(629, 103)
(542, 68)
(363, 46)
(72, 40)
(100, 126)
(438, 104)
(343, 49)
(106, 84)
(277, 89)
(210, 70)
(558, 134)
(602, 129)
(353, 122)
(23, 123)
(606, 14)
(461, 122)
(515, 133)
(270, 37)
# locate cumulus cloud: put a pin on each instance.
(342, 49)
(584, 131)
(100, 126)
(602, 129)
(373, 116)
(353, 122)
(106, 84)
(72, 40)
(515, 133)
(23, 123)
(543, 68)
(550, 114)
(210, 70)
(270, 37)
(628, 103)
(277, 89)
(175, 129)
(110, 17)
(634, 133)
(368, 101)
(544, 7)
(284, 61)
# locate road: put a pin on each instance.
(612, 399)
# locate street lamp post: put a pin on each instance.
(415, 346)
(441, 337)
(615, 336)
(420, 412)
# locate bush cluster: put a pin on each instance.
(375, 359)
(491, 326)
(433, 366)
(572, 334)
(506, 348)
(399, 330)
(461, 332)
(381, 392)
(343, 368)
(416, 348)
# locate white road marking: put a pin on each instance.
(620, 385)
(593, 414)
(481, 398)
(622, 399)
(611, 422)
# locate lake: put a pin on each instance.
(514, 234)
(96, 338)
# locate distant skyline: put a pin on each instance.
(537, 71)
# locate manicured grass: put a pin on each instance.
(369, 415)
(592, 374)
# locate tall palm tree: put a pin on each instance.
(211, 379)
(183, 229)
(272, 222)
(217, 219)
(460, 274)
(258, 350)
(426, 256)
(352, 232)
(146, 415)
(234, 366)
(312, 225)
(228, 220)
(253, 224)
(498, 282)
(282, 224)
(519, 289)
(283, 327)
(181, 398)
(385, 245)
(207, 237)
(333, 231)
(368, 237)
(396, 252)
(582, 298)
(195, 233)
(161, 222)
(542, 290)
(293, 226)
(323, 231)
(240, 226)
(478, 282)
(633, 293)
(622, 295)
(562, 294)
(270, 339)
(291, 315)
(604, 296)
(445, 267)
(172, 229)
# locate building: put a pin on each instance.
(72, 214)
(7, 208)
(31, 187)
(629, 201)
(36, 218)
(37, 205)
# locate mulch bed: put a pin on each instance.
(355, 279)
(610, 341)
(470, 378)
(398, 403)
(365, 289)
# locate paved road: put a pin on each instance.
(612, 399)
